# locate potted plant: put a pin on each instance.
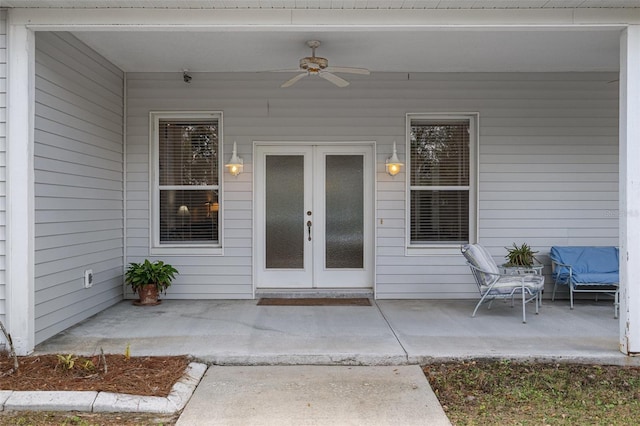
(520, 256)
(148, 279)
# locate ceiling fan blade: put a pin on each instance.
(288, 70)
(293, 80)
(348, 70)
(340, 82)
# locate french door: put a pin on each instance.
(314, 216)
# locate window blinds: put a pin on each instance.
(188, 181)
(439, 181)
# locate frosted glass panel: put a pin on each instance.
(285, 211)
(344, 211)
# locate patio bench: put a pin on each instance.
(586, 269)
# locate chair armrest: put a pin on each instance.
(498, 276)
(555, 262)
(563, 278)
(489, 273)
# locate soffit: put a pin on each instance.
(325, 4)
(388, 49)
(379, 51)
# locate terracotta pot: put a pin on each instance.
(148, 295)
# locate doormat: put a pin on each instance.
(314, 301)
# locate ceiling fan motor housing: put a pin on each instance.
(318, 66)
(313, 63)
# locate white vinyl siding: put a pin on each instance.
(78, 182)
(548, 163)
(3, 146)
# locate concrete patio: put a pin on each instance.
(390, 332)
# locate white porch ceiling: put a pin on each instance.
(325, 4)
(379, 51)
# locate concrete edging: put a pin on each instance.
(90, 401)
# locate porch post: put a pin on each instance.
(630, 190)
(20, 190)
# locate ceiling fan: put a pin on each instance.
(316, 65)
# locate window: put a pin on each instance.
(187, 179)
(441, 179)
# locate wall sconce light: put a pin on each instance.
(393, 163)
(235, 164)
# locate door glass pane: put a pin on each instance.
(344, 211)
(285, 211)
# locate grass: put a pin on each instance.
(509, 393)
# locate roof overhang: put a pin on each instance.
(390, 40)
(327, 4)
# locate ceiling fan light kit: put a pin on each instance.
(316, 65)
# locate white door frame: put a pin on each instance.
(369, 210)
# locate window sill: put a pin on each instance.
(440, 250)
(186, 251)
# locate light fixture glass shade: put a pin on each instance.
(235, 164)
(212, 207)
(393, 163)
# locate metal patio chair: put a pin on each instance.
(494, 285)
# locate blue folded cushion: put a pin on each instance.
(589, 264)
(587, 259)
(596, 278)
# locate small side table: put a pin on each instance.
(517, 270)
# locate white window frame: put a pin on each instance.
(444, 249)
(154, 191)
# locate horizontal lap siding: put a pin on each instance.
(552, 178)
(78, 182)
(200, 277)
(3, 145)
(548, 173)
(548, 162)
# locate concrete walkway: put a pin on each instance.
(313, 395)
(325, 365)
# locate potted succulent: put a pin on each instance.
(520, 256)
(148, 279)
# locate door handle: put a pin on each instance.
(309, 229)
